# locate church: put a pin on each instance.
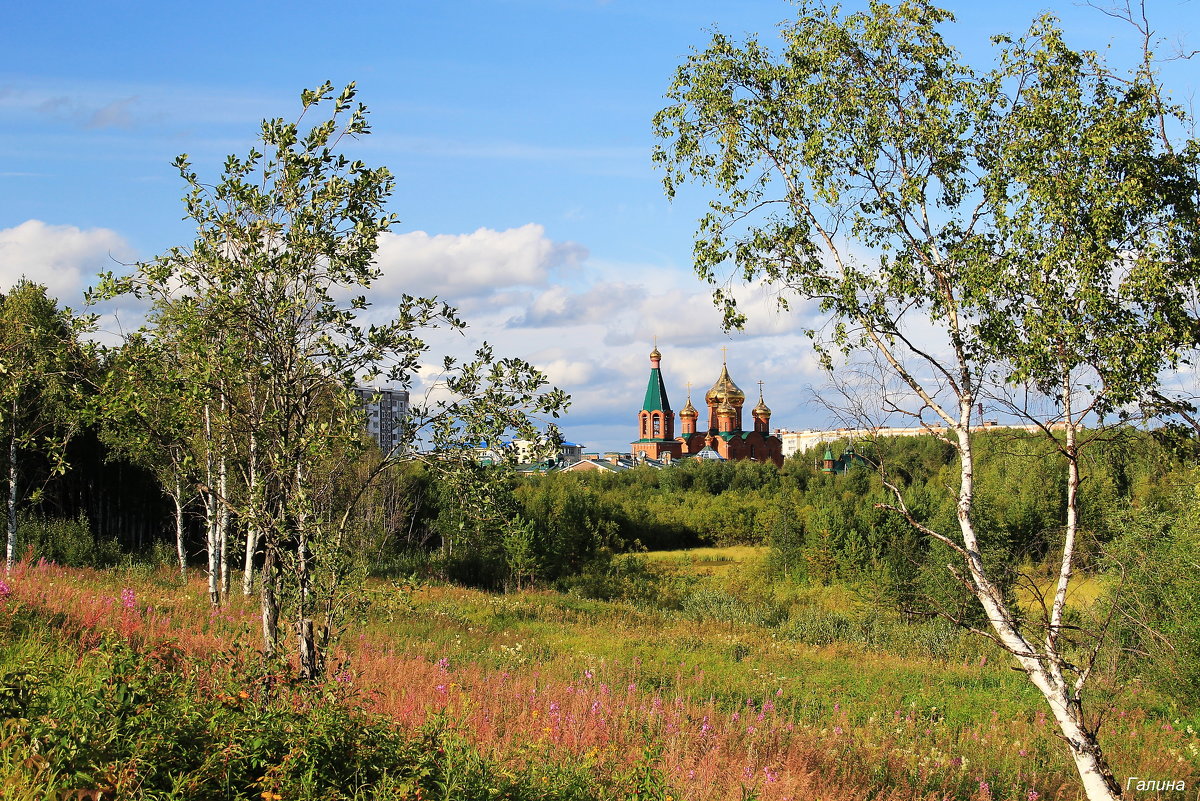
(721, 438)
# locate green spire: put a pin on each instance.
(656, 393)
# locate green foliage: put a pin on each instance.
(261, 321)
(156, 724)
(1155, 595)
(64, 541)
(41, 396)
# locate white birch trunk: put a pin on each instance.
(1044, 670)
(223, 526)
(251, 524)
(180, 551)
(210, 515)
(11, 549)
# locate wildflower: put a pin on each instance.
(770, 775)
(837, 729)
(443, 664)
(779, 692)
(128, 598)
(5, 589)
(1033, 796)
(587, 674)
(554, 706)
(342, 677)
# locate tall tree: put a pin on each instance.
(969, 230)
(265, 299)
(39, 402)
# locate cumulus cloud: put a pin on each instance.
(61, 257)
(458, 266)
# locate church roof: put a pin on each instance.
(725, 390)
(656, 393)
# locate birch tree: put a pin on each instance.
(266, 296)
(39, 402)
(1027, 225)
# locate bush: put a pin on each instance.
(65, 541)
(625, 578)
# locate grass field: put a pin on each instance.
(697, 707)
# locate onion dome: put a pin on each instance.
(689, 410)
(761, 410)
(726, 408)
(725, 391)
(654, 354)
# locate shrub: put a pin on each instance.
(65, 541)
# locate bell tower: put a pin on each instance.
(656, 421)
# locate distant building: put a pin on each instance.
(723, 437)
(385, 408)
(615, 462)
(800, 441)
(529, 452)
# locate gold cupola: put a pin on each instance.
(761, 409)
(725, 391)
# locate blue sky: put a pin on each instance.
(519, 133)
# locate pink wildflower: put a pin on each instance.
(128, 599)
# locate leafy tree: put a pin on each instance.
(934, 215)
(263, 301)
(39, 398)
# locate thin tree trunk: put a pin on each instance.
(1044, 670)
(223, 525)
(180, 551)
(211, 525)
(11, 550)
(270, 600)
(251, 524)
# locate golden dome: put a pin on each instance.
(725, 391)
(761, 410)
(726, 408)
(689, 410)
(654, 354)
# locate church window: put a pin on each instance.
(657, 426)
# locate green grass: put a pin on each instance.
(708, 561)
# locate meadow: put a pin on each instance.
(439, 691)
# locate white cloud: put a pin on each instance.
(63, 258)
(457, 266)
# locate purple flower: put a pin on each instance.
(443, 664)
(342, 677)
(1033, 795)
(5, 589)
(128, 598)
